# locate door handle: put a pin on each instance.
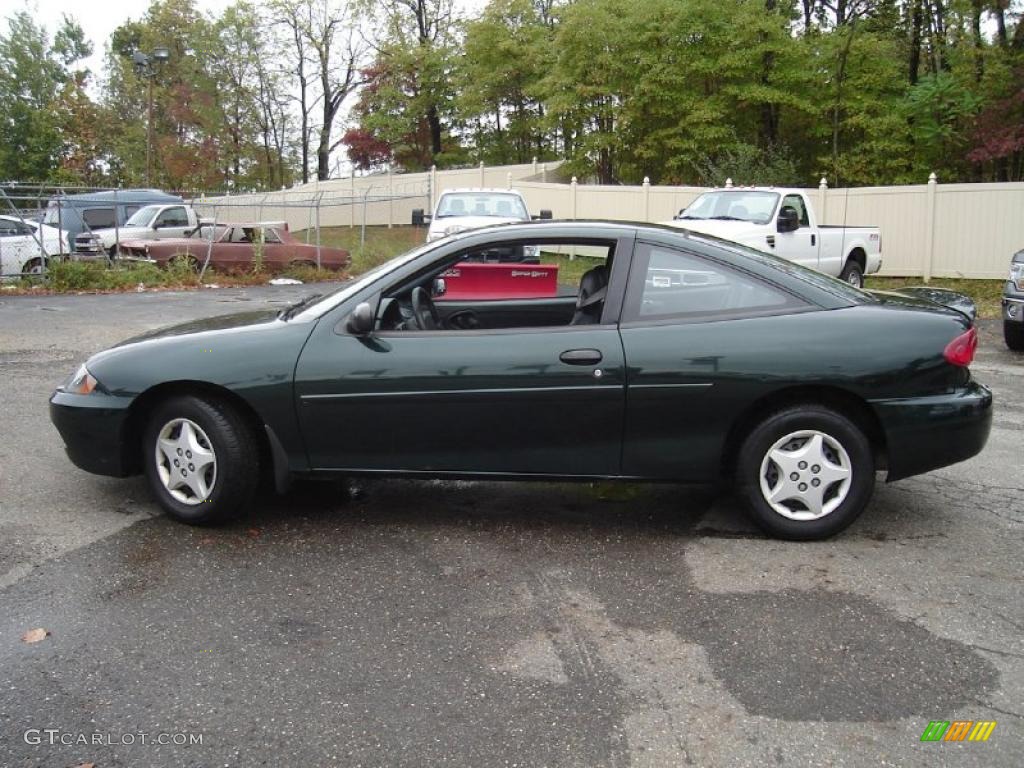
(813, 239)
(580, 357)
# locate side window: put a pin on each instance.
(98, 218)
(797, 202)
(172, 217)
(682, 286)
(505, 285)
(131, 210)
(271, 236)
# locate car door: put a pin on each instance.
(699, 337)
(801, 245)
(171, 223)
(536, 401)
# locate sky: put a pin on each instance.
(99, 18)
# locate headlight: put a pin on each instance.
(1017, 275)
(82, 383)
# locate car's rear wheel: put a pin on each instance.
(1013, 334)
(201, 459)
(805, 472)
(853, 274)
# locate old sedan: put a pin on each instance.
(237, 247)
(680, 358)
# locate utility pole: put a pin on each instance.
(145, 66)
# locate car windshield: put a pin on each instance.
(481, 204)
(733, 205)
(143, 217)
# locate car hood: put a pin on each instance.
(205, 325)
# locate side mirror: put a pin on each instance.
(789, 220)
(419, 218)
(360, 322)
(545, 214)
(439, 288)
(679, 215)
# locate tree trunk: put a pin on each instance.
(434, 122)
(915, 42)
(979, 41)
(769, 128)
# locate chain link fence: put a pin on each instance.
(40, 224)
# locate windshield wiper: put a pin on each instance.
(291, 309)
(695, 218)
(727, 218)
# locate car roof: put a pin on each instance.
(121, 196)
(481, 190)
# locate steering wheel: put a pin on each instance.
(423, 310)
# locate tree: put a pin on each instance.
(35, 76)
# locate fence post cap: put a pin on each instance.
(433, 168)
(932, 178)
(647, 181)
(573, 180)
(728, 182)
(823, 184)
(481, 163)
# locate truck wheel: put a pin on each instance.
(853, 274)
(805, 472)
(1013, 334)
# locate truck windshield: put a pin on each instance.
(733, 205)
(143, 217)
(481, 204)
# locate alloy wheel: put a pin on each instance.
(186, 463)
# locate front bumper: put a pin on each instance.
(1013, 308)
(925, 433)
(94, 430)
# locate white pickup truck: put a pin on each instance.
(153, 222)
(782, 221)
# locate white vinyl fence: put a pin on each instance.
(928, 230)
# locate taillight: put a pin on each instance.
(960, 351)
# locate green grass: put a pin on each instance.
(986, 293)
(381, 243)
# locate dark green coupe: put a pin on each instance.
(678, 358)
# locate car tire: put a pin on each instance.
(785, 454)
(218, 479)
(35, 266)
(853, 274)
(1013, 335)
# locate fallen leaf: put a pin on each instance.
(35, 635)
(254, 533)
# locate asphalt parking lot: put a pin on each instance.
(480, 624)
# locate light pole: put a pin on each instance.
(145, 65)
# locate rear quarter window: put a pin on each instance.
(669, 284)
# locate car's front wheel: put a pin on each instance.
(200, 459)
(1013, 334)
(805, 472)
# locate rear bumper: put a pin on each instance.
(874, 264)
(93, 430)
(925, 433)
